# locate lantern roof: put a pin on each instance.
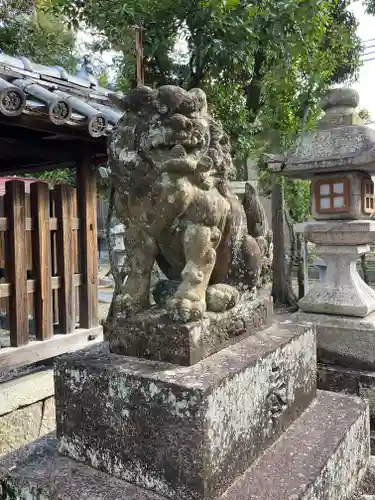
(341, 142)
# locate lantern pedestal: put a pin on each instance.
(342, 291)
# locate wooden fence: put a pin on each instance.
(48, 260)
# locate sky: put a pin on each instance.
(365, 83)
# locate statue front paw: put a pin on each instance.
(186, 307)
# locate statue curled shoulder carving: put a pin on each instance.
(170, 163)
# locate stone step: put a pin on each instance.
(184, 431)
(322, 456)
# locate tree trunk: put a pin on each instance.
(282, 291)
(300, 268)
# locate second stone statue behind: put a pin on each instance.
(170, 164)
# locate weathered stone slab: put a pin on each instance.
(26, 424)
(343, 340)
(39, 472)
(350, 381)
(24, 391)
(322, 456)
(366, 490)
(184, 432)
(153, 335)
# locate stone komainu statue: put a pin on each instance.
(170, 164)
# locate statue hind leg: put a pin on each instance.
(243, 279)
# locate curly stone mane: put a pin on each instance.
(168, 130)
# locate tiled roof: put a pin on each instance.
(50, 93)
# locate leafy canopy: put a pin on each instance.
(260, 61)
(27, 29)
(370, 6)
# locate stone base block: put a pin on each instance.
(322, 456)
(350, 381)
(184, 432)
(343, 340)
(153, 335)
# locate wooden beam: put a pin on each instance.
(64, 200)
(15, 262)
(88, 242)
(6, 288)
(37, 147)
(53, 224)
(35, 351)
(41, 256)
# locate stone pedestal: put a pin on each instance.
(190, 431)
(342, 291)
(245, 423)
(153, 335)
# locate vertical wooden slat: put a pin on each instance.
(64, 254)
(4, 304)
(15, 262)
(28, 243)
(54, 261)
(75, 257)
(42, 259)
(88, 244)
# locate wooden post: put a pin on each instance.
(88, 242)
(139, 56)
(15, 262)
(42, 259)
(64, 253)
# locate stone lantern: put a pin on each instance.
(338, 157)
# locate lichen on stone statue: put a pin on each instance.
(171, 164)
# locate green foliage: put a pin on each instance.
(370, 6)
(260, 62)
(228, 104)
(55, 176)
(27, 30)
(365, 115)
(297, 198)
